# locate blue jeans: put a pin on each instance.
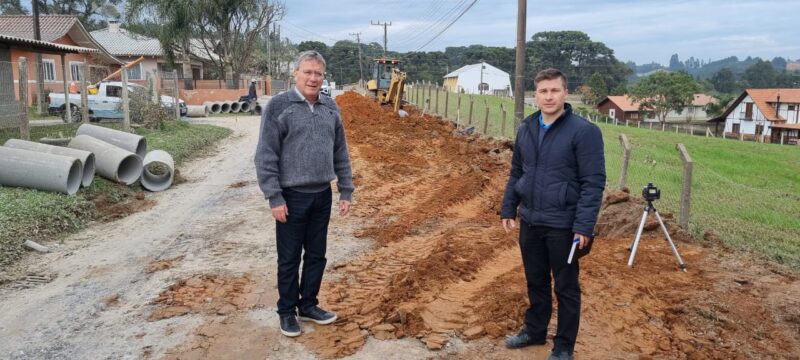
(545, 250)
(305, 233)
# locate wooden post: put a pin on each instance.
(781, 137)
(437, 99)
(676, 128)
(663, 126)
(85, 92)
(67, 104)
(24, 128)
(486, 117)
(651, 126)
(446, 102)
(626, 156)
(471, 102)
(686, 193)
(503, 123)
(126, 107)
(430, 89)
(175, 96)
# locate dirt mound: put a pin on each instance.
(444, 266)
(209, 294)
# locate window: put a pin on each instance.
(113, 91)
(748, 111)
(48, 70)
(483, 87)
(634, 115)
(792, 107)
(135, 72)
(690, 110)
(735, 128)
(759, 129)
(75, 70)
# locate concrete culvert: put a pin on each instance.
(159, 170)
(41, 171)
(86, 158)
(244, 106)
(258, 109)
(234, 106)
(112, 162)
(197, 111)
(213, 106)
(225, 107)
(131, 142)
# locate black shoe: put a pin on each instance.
(317, 315)
(522, 339)
(560, 355)
(289, 326)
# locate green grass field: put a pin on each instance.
(36, 215)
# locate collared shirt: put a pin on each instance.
(542, 129)
(310, 104)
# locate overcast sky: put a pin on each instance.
(641, 31)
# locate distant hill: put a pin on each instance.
(705, 69)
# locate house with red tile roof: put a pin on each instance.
(771, 115)
(623, 108)
(57, 67)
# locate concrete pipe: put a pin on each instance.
(213, 106)
(127, 141)
(258, 109)
(86, 158)
(112, 162)
(244, 106)
(225, 107)
(234, 106)
(41, 171)
(197, 111)
(159, 169)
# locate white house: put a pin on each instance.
(769, 114)
(479, 78)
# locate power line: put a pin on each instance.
(448, 25)
(385, 24)
(439, 22)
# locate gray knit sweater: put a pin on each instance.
(298, 148)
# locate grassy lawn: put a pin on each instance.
(748, 193)
(38, 215)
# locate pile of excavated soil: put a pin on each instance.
(431, 199)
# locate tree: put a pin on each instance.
(87, 11)
(663, 92)
(724, 81)
(12, 7)
(718, 105)
(760, 75)
(595, 90)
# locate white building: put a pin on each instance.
(768, 114)
(479, 79)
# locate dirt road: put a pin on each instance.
(421, 269)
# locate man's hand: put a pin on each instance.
(583, 240)
(280, 213)
(344, 207)
(508, 225)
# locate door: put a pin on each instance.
(108, 105)
(612, 113)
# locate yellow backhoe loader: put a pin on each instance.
(387, 83)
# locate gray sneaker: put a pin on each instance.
(317, 315)
(522, 339)
(560, 355)
(289, 326)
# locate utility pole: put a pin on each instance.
(385, 24)
(37, 35)
(519, 69)
(480, 86)
(269, 50)
(360, 67)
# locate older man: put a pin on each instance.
(301, 149)
(557, 180)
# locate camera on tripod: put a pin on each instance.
(651, 192)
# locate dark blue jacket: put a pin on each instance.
(559, 185)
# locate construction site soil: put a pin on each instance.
(430, 264)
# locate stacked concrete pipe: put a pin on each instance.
(38, 170)
(197, 111)
(112, 162)
(86, 158)
(158, 181)
(213, 106)
(258, 109)
(234, 106)
(244, 106)
(225, 107)
(127, 141)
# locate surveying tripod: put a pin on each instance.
(649, 207)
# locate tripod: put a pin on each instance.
(635, 244)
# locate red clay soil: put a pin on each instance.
(444, 266)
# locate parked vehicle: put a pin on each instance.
(325, 89)
(105, 103)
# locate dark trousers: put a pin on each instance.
(305, 233)
(546, 249)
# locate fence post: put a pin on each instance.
(67, 104)
(126, 109)
(686, 193)
(430, 89)
(471, 102)
(175, 96)
(626, 157)
(663, 126)
(503, 123)
(437, 99)
(486, 117)
(24, 129)
(85, 93)
(446, 102)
